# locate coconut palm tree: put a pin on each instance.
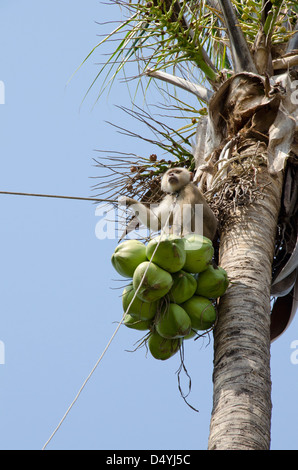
(239, 60)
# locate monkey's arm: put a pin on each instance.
(144, 214)
(193, 195)
(209, 219)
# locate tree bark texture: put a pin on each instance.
(241, 415)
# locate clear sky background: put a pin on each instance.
(58, 302)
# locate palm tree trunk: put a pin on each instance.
(241, 414)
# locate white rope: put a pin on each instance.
(111, 339)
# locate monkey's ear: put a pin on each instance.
(192, 175)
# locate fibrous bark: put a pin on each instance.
(242, 386)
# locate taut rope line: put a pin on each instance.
(56, 196)
(111, 339)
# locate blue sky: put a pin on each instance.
(58, 302)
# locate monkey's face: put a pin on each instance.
(175, 179)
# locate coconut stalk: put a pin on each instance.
(245, 159)
(241, 414)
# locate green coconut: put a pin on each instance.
(183, 288)
(201, 312)
(173, 323)
(156, 283)
(199, 251)
(169, 255)
(139, 309)
(162, 348)
(127, 256)
(212, 283)
(135, 323)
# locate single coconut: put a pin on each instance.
(201, 312)
(183, 288)
(139, 309)
(199, 251)
(169, 255)
(212, 283)
(135, 323)
(155, 281)
(162, 348)
(127, 256)
(173, 323)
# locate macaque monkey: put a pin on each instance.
(183, 200)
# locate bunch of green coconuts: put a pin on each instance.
(175, 284)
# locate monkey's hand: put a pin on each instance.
(126, 201)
